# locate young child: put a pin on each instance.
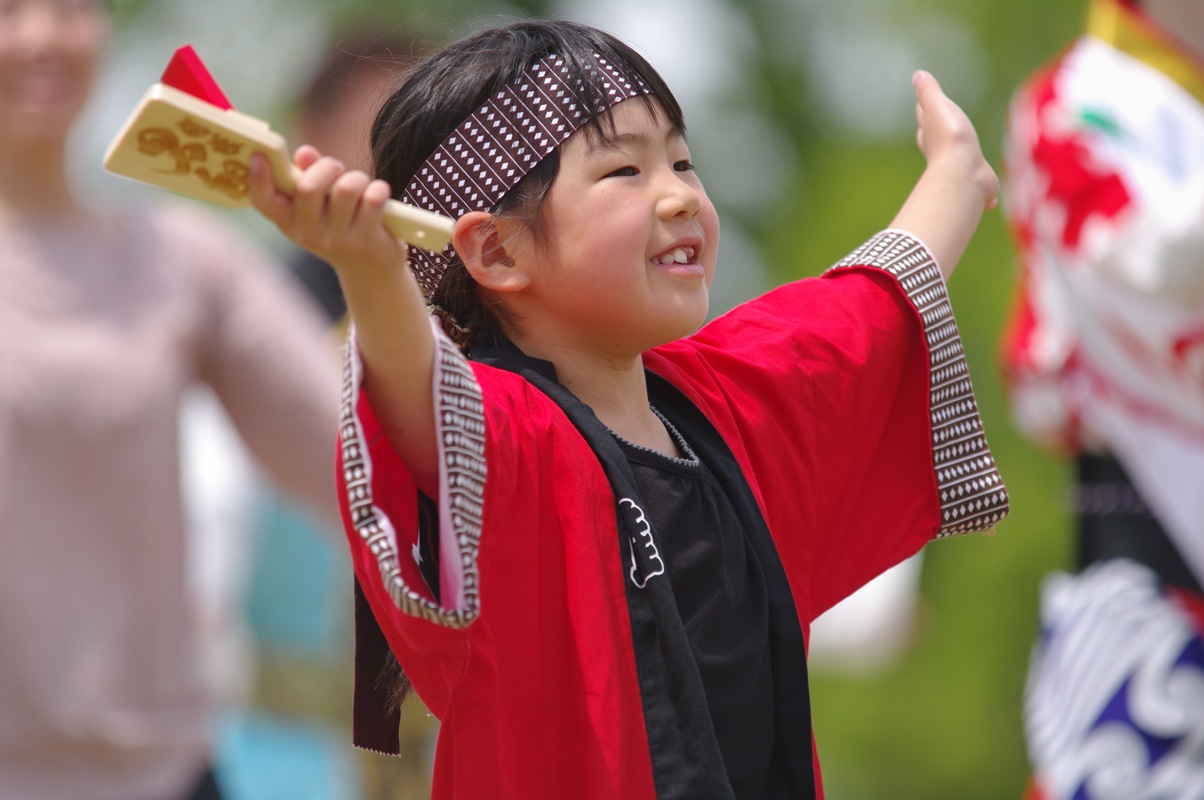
(594, 545)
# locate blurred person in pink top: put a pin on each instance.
(108, 316)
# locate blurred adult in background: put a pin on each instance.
(108, 317)
(1105, 360)
(337, 108)
(337, 105)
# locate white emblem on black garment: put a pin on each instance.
(646, 561)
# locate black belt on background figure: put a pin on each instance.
(1114, 522)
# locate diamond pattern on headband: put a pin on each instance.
(503, 140)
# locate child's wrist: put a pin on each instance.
(972, 182)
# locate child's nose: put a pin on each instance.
(679, 198)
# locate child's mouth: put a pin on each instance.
(678, 255)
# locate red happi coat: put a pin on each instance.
(845, 400)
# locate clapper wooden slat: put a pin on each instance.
(189, 139)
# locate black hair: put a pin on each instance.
(442, 90)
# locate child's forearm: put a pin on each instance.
(397, 347)
(943, 210)
(338, 215)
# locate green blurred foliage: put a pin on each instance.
(944, 723)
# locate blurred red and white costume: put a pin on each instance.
(1105, 359)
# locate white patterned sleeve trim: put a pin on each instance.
(460, 426)
(973, 497)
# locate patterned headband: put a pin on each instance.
(502, 141)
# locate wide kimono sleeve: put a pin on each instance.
(503, 593)
(848, 403)
(417, 560)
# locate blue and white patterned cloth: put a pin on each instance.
(1114, 706)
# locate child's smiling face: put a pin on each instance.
(630, 238)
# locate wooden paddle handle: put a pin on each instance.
(178, 142)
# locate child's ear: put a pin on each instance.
(484, 243)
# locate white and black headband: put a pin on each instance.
(503, 140)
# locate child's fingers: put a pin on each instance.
(305, 156)
(310, 198)
(932, 104)
(928, 89)
(940, 122)
(267, 199)
(354, 215)
(344, 200)
(370, 214)
(921, 82)
(334, 212)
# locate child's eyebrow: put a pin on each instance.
(627, 142)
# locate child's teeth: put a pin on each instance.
(680, 255)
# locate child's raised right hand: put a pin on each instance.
(338, 215)
(948, 140)
(334, 212)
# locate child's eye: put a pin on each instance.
(623, 172)
(684, 166)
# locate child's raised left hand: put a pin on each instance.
(958, 185)
(948, 140)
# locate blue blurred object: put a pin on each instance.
(299, 593)
(262, 757)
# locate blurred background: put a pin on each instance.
(802, 128)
